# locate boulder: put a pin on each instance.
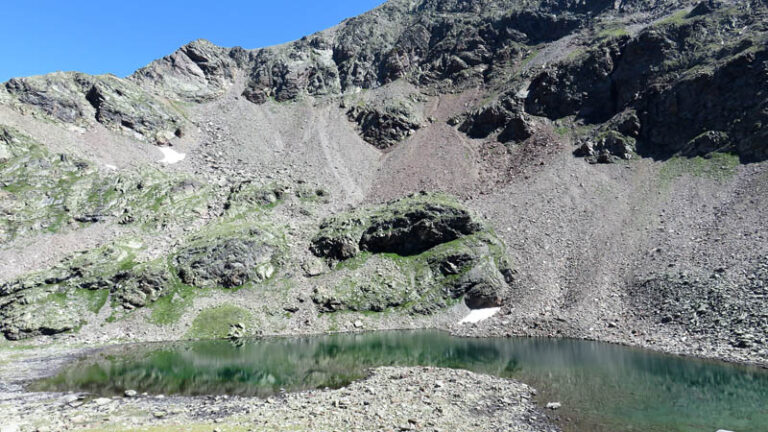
(228, 263)
(383, 127)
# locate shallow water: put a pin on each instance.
(602, 387)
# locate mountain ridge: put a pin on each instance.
(499, 103)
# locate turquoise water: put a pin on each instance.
(602, 387)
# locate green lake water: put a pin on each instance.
(602, 387)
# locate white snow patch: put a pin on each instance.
(171, 156)
(477, 315)
(112, 167)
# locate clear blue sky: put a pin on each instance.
(41, 36)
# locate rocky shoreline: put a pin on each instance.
(390, 399)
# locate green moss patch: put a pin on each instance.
(214, 323)
(716, 166)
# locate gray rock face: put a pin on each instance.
(383, 128)
(54, 94)
(118, 105)
(227, 263)
(80, 99)
(683, 85)
(408, 226)
(199, 71)
(412, 232)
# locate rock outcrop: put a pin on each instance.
(45, 192)
(82, 99)
(228, 263)
(696, 81)
(439, 253)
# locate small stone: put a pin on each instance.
(130, 393)
(358, 324)
(159, 414)
(71, 398)
(553, 405)
(102, 401)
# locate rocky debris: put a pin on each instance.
(717, 305)
(228, 262)
(685, 102)
(610, 146)
(439, 251)
(80, 99)
(505, 117)
(391, 398)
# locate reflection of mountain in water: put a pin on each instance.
(610, 387)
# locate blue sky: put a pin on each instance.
(118, 37)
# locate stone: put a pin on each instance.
(553, 405)
(130, 393)
(314, 267)
(227, 262)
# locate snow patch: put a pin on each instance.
(112, 167)
(477, 315)
(171, 156)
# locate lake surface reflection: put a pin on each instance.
(602, 387)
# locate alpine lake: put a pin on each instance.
(602, 387)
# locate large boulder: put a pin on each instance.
(383, 127)
(137, 288)
(228, 263)
(413, 231)
(408, 226)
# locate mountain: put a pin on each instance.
(596, 169)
